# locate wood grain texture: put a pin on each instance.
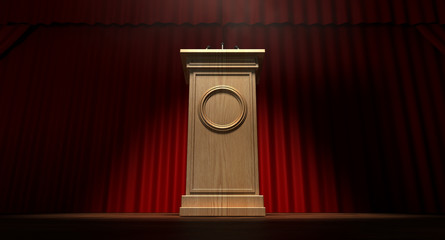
(221, 211)
(220, 58)
(226, 119)
(225, 201)
(222, 163)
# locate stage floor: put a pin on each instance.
(171, 226)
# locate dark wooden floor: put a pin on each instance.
(273, 226)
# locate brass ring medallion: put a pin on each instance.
(222, 127)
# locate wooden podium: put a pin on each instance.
(222, 153)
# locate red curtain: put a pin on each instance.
(223, 11)
(9, 34)
(435, 33)
(94, 118)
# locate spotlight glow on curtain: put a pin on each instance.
(94, 118)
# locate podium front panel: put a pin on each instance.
(223, 159)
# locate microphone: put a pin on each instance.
(236, 47)
(208, 47)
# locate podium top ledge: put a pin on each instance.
(221, 59)
(222, 51)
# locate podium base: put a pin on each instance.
(222, 205)
(222, 212)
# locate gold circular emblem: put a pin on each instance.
(222, 127)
